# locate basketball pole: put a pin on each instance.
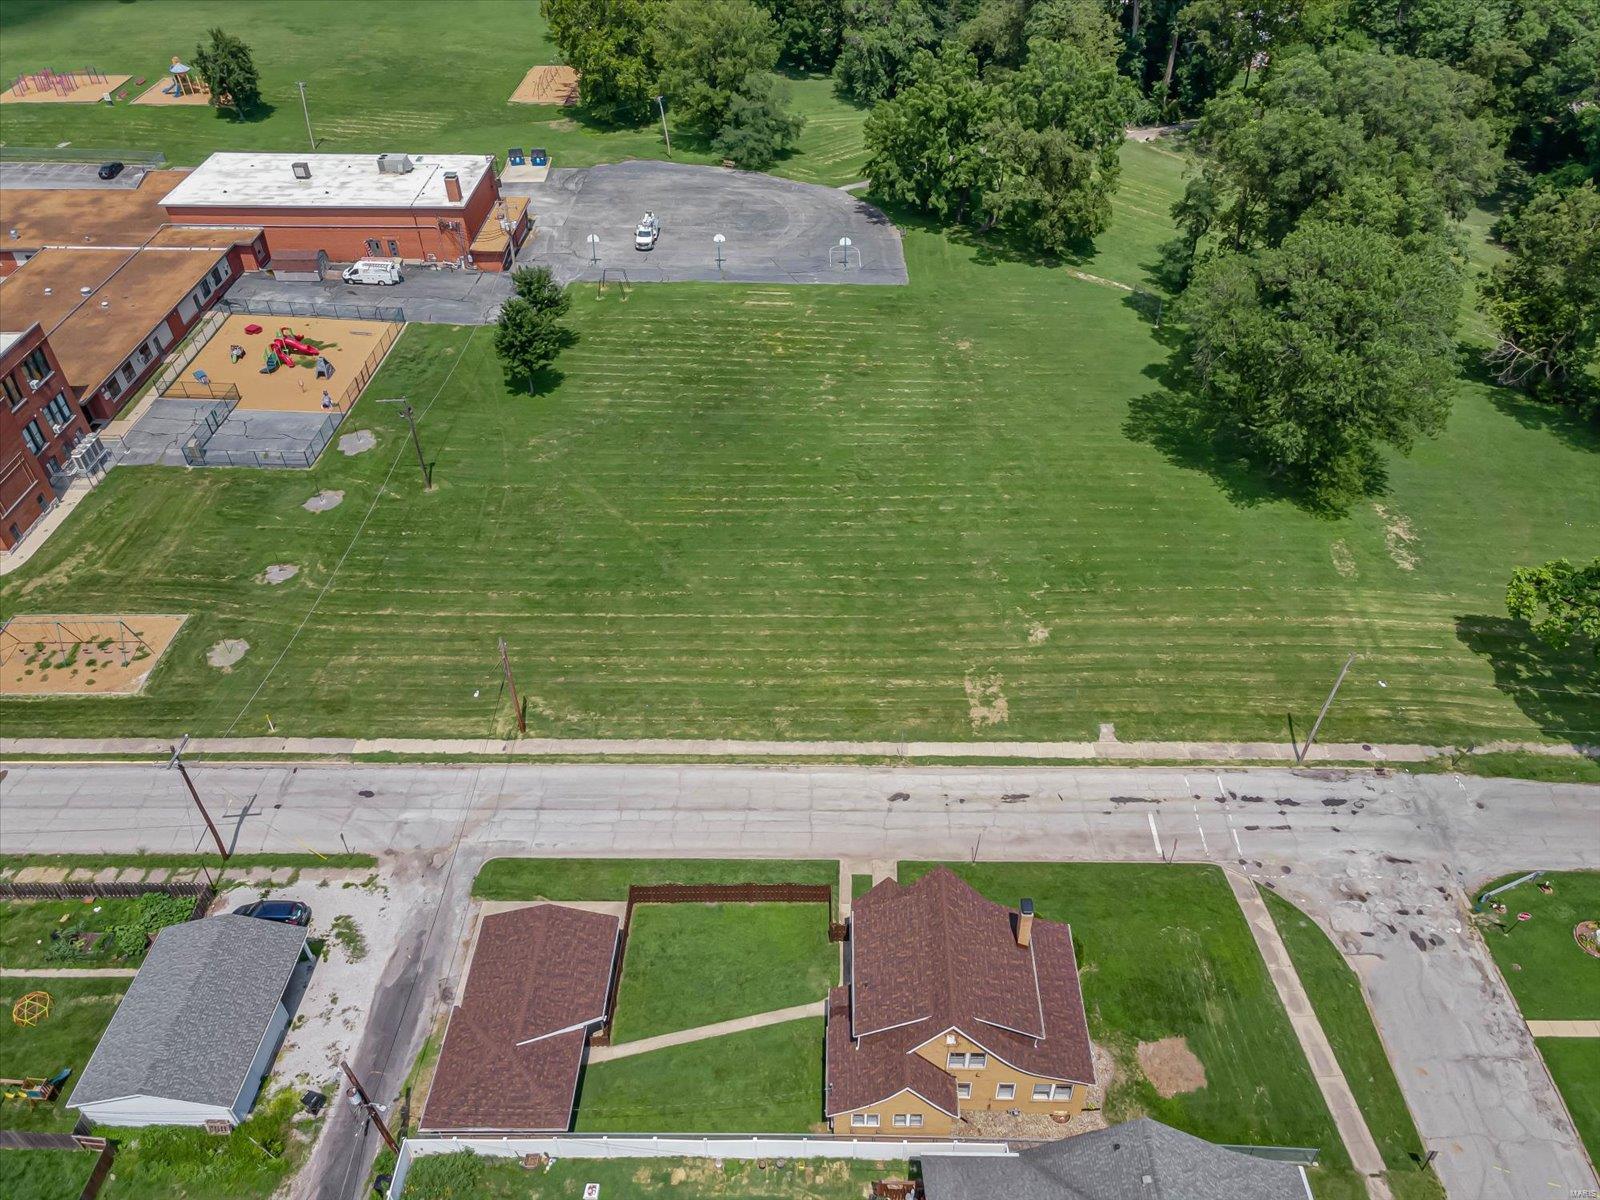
(516, 701)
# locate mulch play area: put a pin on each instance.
(547, 85)
(78, 654)
(295, 385)
(61, 87)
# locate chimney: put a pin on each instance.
(1025, 922)
(452, 187)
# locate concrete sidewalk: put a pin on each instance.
(683, 1037)
(1108, 750)
(1564, 1029)
(1335, 1088)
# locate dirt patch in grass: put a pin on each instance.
(1343, 561)
(278, 573)
(986, 700)
(227, 652)
(358, 442)
(323, 501)
(1399, 538)
(1171, 1067)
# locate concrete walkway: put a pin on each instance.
(68, 972)
(1565, 1029)
(683, 1037)
(1108, 750)
(1335, 1088)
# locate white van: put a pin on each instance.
(380, 271)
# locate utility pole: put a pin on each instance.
(300, 83)
(360, 1099)
(516, 703)
(661, 105)
(410, 415)
(1300, 754)
(177, 761)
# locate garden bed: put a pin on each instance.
(88, 932)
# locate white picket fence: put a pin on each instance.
(670, 1146)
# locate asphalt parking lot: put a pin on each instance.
(431, 297)
(777, 230)
(47, 176)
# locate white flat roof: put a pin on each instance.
(229, 180)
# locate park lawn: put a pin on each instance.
(401, 76)
(609, 878)
(1551, 978)
(838, 512)
(1575, 1066)
(26, 926)
(1165, 952)
(468, 1176)
(762, 1081)
(1341, 1009)
(44, 1174)
(696, 964)
(177, 1163)
(80, 1011)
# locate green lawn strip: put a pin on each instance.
(184, 862)
(1341, 1009)
(80, 1010)
(468, 1176)
(1543, 768)
(177, 1163)
(44, 1174)
(696, 964)
(860, 885)
(761, 1081)
(609, 878)
(1550, 976)
(1164, 951)
(1575, 1066)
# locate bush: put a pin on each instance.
(155, 912)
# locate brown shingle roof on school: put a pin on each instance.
(512, 1052)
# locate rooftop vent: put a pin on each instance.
(84, 291)
(49, 291)
(105, 304)
(394, 164)
(15, 234)
(452, 187)
(302, 170)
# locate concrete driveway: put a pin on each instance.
(428, 296)
(777, 231)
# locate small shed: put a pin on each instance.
(300, 266)
(198, 1029)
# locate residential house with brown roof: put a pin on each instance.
(953, 1004)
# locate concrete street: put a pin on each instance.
(1384, 864)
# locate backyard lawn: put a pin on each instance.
(44, 1174)
(466, 1176)
(50, 933)
(1551, 978)
(762, 1081)
(1342, 1011)
(393, 81)
(697, 964)
(80, 1010)
(609, 878)
(1575, 1065)
(1165, 953)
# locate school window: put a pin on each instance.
(373, 248)
(13, 390)
(394, 248)
(58, 410)
(36, 364)
(128, 372)
(205, 289)
(963, 1091)
(1005, 1091)
(864, 1120)
(113, 388)
(33, 436)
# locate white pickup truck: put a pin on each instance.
(649, 232)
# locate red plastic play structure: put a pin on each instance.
(288, 342)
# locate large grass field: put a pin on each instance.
(1165, 952)
(696, 964)
(80, 1011)
(762, 1081)
(1336, 997)
(419, 77)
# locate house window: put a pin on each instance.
(394, 248)
(916, 1120)
(976, 1062)
(1041, 1091)
(1005, 1091)
(373, 249)
(1062, 1091)
(963, 1091)
(33, 436)
(36, 364)
(13, 390)
(58, 410)
(863, 1120)
(955, 1062)
(901, 1120)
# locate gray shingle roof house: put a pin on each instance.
(198, 1027)
(1137, 1160)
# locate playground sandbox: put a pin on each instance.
(82, 654)
(295, 386)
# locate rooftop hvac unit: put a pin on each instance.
(394, 164)
(302, 170)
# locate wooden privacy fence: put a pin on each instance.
(707, 893)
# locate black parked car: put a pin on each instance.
(110, 170)
(290, 912)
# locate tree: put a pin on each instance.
(1545, 299)
(716, 61)
(526, 339)
(810, 32)
(607, 42)
(881, 39)
(924, 146)
(226, 66)
(538, 287)
(1560, 601)
(1000, 31)
(1321, 351)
